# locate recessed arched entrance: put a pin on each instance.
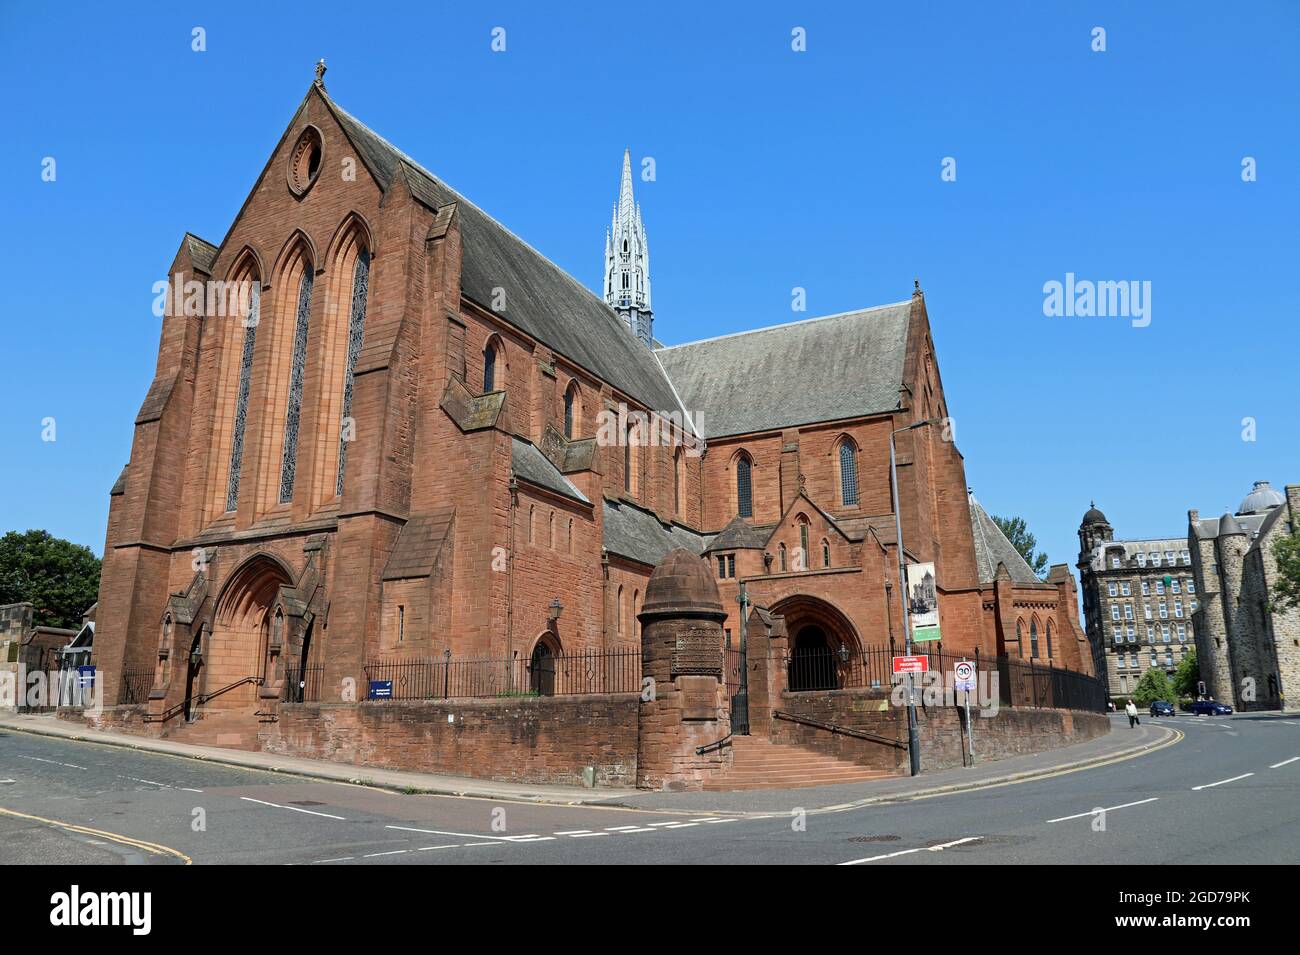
(825, 653)
(542, 665)
(241, 633)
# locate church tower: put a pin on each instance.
(627, 262)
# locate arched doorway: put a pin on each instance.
(825, 653)
(241, 633)
(542, 665)
(192, 665)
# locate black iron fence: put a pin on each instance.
(1019, 682)
(136, 684)
(576, 674)
(303, 684)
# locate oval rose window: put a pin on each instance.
(304, 161)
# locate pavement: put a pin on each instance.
(1180, 791)
(1115, 745)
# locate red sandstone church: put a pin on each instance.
(421, 439)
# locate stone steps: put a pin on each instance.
(232, 729)
(761, 764)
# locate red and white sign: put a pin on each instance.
(919, 663)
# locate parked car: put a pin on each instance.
(1162, 708)
(1210, 708)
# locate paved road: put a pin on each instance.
(1227, 792)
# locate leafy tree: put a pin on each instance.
(1018, 533)
(1154, 685)
(1286, 592)
(60, 578)
(1187, 675)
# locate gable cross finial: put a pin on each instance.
(320, 72)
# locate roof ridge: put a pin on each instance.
(771, 328)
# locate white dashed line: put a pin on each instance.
(376, 855)
(1093, 812)
(274, 805)
(52, 762)
(681, 825)
(1221, 782)
(1284, 762)
(903, 852)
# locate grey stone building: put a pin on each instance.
(1139, 601)
(1249, 653)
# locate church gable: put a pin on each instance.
(807, 538)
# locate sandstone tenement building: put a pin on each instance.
(1249, 652)
(1139, 601)
(420, 439)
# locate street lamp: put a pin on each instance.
(913, 740)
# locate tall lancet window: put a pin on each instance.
(744, 490)
(293, 411)
(241, 397)
(356, 331)
(848, 474)
(489, 368)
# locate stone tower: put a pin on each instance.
(627, 262)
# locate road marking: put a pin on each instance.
(572, 832)
(681, 825)
(586, 835)
(1274, 766)
(903, 852)
(53, 762)
(186, 789)
(394, 852)
(450, 845)
(339, 859)
(151, 847)
(276, 805)
(150, 782)
(1093, 812)
(1221, 782)
(497, 840)
(620, 828)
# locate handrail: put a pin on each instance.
(840, 730)
(717, 744)
(200, 699)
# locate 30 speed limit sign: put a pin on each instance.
(964, 673)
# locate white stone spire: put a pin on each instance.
(627, 261)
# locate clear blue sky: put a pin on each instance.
(775, 169)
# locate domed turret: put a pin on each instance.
(1094, 516)
(681, 584)
(1262, 497)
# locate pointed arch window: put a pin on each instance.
(803, 558)
(781, 551)
(241, 396)
(489, 367)
(569, 397)
(356, 332)
(677, 480)
(1049, 639)
(744, 487)
(826, 553)
(1033, 638)
(293, 410)
(848, 473)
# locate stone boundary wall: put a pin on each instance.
(550, 740)
(1012, 732)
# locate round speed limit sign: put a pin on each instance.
(965, 674)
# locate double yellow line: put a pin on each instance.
(152, 848)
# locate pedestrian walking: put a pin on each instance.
(1131, 709)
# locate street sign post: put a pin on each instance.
(964, 679)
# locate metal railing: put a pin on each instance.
(198, 700)
(136, 684)
(303, 684)
(1020, 682)
(577, 674)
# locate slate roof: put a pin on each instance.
(418, 545)
(637, 534)
(1210, 527)
(202, 252)
(821, 369)
(540, 297)
(740, 535)
(993, 548)
(531, 465)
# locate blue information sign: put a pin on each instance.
(381, 689)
